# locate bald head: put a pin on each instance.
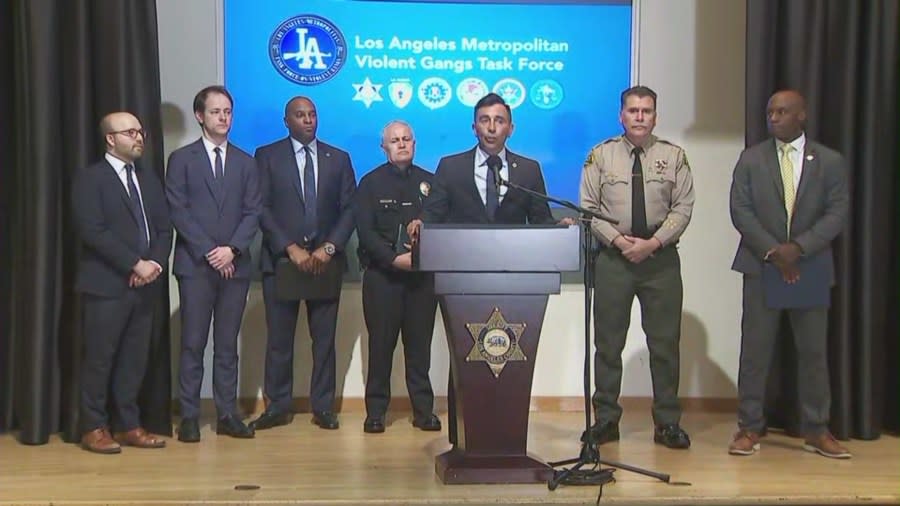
(123, 136)
(786, 115)
(300, 119)
(398, 143)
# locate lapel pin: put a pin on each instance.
(810, 157)
(327, 154)
(514, 164)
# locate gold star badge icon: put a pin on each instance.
(496, 342)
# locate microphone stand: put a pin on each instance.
(590, 453)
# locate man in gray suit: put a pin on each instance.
(213, 193)
(789, 200)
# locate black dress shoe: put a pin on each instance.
(430, 423)
(270, 419)
(325, 420)
(189, 430)
(229, 425)
(373, 425)
(601, 432)
(671, 436)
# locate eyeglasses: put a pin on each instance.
(133, 133)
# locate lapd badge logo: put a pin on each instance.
(424, 188)
(546, 94)
(496, 342)
(435, 93)
(307, 49)
(512, 91)
(401, 92)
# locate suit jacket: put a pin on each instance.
(109, 231)
(207, 214)
(454, 197)
(282, 200)
(757, 204)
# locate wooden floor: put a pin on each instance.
(302, 464)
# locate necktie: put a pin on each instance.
(219, 169)
(138, 209)
(492, 196)
(638, 206)
(787, 179)
(309, 195)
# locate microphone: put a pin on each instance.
(495, 164)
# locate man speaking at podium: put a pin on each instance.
(466, 189)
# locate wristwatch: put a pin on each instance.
(329, 249)
(235, 251)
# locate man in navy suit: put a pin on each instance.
(307, 218)
(213, 192)
(125, 234)
(465, 188)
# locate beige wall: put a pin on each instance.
(692, 53)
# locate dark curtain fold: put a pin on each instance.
(72, 63)
(843, 56)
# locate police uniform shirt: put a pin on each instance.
(387, 199)
(668, 188)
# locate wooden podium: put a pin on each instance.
(493, 283)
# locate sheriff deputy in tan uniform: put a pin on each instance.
(645, 183)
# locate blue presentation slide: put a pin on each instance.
(561, 67)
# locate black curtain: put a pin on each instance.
(67, 65)
(843, 56)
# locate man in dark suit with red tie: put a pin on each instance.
(125, 235)
(213, 191)
(307, 218)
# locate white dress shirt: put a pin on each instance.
(797, 156)
(211, 153)
(300, 156)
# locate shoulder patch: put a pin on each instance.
(590, 158)
(684, 161)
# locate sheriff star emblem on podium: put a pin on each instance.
(496, 342)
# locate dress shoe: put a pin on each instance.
(139, 438)
(269, 419)
(745, 442)
(325, 420)
(671, 436)
(826, 445)
(229, 425)
(430, 423)
(99, 441)
(601, 433)
(189, 430)
(373, 425)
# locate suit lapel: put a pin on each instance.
(469, 174)
(290, 160)
(232, 175)
(142, 181)
(771, 160)
(811, 170)
(323, 159)
(512, 163)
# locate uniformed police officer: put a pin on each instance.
(645, 183)
(395, 300)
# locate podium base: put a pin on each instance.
(457, 467)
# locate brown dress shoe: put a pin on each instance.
(139, 438)
(826, 445)
(744, 443)
(99, 441)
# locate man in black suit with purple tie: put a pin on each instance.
(307, 218)
(125, 235)
(213, 191)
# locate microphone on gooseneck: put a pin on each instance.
(494, 164)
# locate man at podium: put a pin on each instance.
(467, 189)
